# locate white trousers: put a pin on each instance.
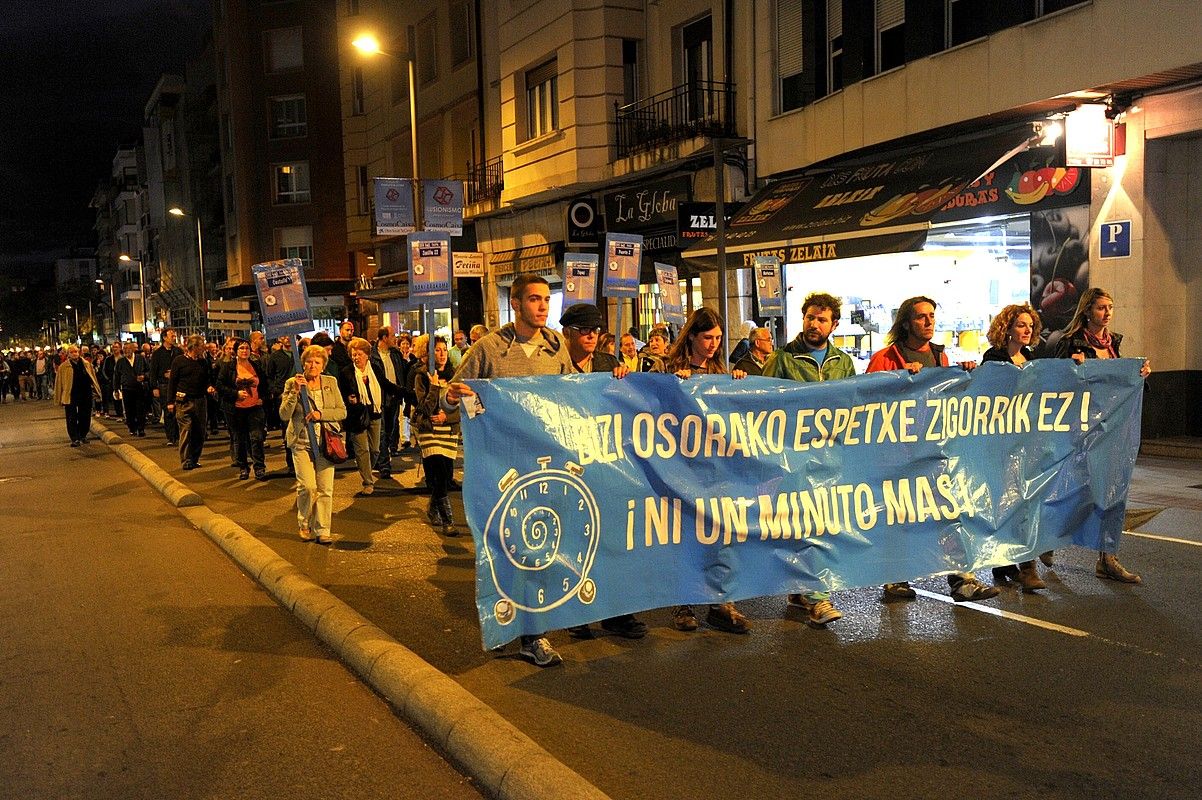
(314, 491)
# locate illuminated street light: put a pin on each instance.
(141, 288)
(176, 211)
(368, 45)
(78, 338)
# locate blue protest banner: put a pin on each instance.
(623, 260)
(429, 264)
(283, 298)
(590, 496)
(671, 303)
(767, 286)
(394, 207)
(579, 278)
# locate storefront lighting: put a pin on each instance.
(1051, 132)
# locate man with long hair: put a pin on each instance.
(908, 346)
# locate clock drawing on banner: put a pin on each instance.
(540, 540)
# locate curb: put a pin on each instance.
(502, 760)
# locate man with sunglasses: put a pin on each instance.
(582, 326)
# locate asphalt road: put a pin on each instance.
(139, 662)
(1090, 689)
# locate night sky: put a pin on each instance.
(74, 78)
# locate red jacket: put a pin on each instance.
(891, 358)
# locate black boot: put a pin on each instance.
(434, 513)
(448, 522)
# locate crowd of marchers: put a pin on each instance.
(347, 398)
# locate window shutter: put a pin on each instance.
(890, 13)
(834, 19)
(788, 38)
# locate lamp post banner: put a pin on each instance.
(671, 303)
(590, 496)
(283, 298)
(443, 209)
(394, 207)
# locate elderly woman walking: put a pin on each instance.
(309, 401)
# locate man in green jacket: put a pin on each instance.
(812, 357)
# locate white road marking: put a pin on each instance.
(998, 612)
(1162, 538)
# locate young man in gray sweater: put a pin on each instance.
(522, 348)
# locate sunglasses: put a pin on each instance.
(585, 331)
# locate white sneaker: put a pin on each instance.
(540, 653)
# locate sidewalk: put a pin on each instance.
(139, 662)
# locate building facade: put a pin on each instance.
(281, 145)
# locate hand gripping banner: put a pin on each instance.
(590, 496)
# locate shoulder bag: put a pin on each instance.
(329, 438)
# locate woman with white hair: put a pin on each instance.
(309, 401)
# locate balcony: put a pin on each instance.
(485, 181)
(704, 108)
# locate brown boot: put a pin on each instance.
(1046, 558)
(1028, 576)
(1109, 568)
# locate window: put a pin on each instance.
(426, 50)
(542, 99)
(227, 133)
(834, 45)
(630, 71)
(296, 243)
(352, 8)
(890, 34)
(358, 93)
(282, 49)
(288, 117)
(966, 20)
(790, 67)
(292, 183)
(463, 32)
(697, 42)
(364, 188)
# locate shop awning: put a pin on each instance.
(857, 207)
(539, 258)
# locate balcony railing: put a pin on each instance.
(704, 108)
(485, 181)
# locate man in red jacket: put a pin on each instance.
(908, 346)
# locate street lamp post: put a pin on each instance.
(200, 258)
(78, 338)
(369, 45)
(112, 304)
(141, 290)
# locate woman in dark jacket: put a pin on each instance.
(437, 430)
(242, 384)
(1089, 336)
(1011, 334)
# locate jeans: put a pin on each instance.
(191, 417)
(249, 427)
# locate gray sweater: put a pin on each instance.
(500, 355)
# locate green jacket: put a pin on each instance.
(794, 362)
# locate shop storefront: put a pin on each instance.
(874, 231)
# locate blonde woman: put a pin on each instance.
(314, 474)
(437, 430)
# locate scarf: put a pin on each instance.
(1103, 342)
(369, 387)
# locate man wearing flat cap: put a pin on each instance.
(582, 326)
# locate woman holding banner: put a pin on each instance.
(1011, 334)
(1088, 335)
(321, 404)
(698, 350)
